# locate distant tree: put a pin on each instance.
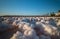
(52, 14)
(58, 10)
(58, 13)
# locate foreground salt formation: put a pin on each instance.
(33, 28)
(27, 33)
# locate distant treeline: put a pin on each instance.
(54, 14)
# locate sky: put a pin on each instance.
(28, 7)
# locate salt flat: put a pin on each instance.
(29, 27)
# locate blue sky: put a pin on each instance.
(28, 7)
